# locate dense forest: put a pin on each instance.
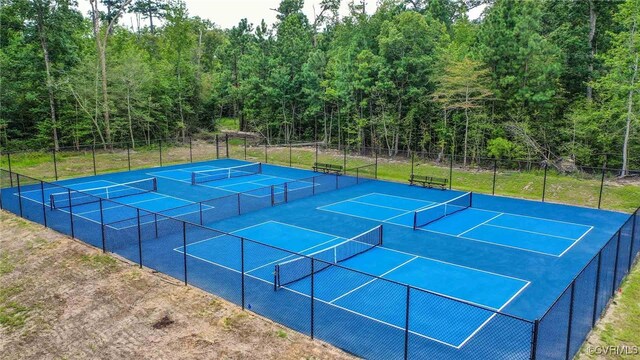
(552, 79)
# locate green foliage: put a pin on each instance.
(414, 74)
(501, 148)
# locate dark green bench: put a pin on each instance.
(327, 168)
(428, 181)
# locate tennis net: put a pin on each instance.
(299, 268)
(70, 198)
(199, 177)
(426, 216)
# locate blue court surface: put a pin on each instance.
(454, 273)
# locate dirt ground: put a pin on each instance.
(61, 299)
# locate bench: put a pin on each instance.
(428, 181)
(327, 168)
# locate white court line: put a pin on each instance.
(532, 232)
(482, 223)
(537, 218)
(380, 206)
(577, 241)
(334, 305)
(374, 279)
(443, 233)
(294, 255)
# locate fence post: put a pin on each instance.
(406, 325)
(226, 143)
(595, 298)
(601, 186)
(129, 156)
(73, 233)
(217, 147)
(190, 150)
(44, 207)
(544, 182)
(451, 170)
(160, 147)
(412, 162)
(312, 297)
(316, 153)
(573, 290)
(376, 167)
(184, 252)
(290, 160)
(534, 339)
(345, 158)
(139, 237)
(245, 147)
(93, 154)
(633, 239)
(266, 151)
(20, 193)
(9, 164)
(104, 246)
(313, 189)
(55, 164)
(615, 266)
(495, 171)
(242, 271)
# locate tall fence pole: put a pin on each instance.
(184, 251)
(242, 285)
(413, 157)
(266, 151)
(290, 157)
(495, 172)
(245, 148)
(190, 150)
(604, 169)
(573, 290)
(312, 297)
(544, 182)
(104, 245)
(451, 170)
(73, 233)
(316, 161)
(10, 171)
(344, 161)
(139, 237)
(226, 144)
(160, 147)
(406, 324)
(55, 163)
(93, 155)
(129, 156)
(217, 147)
(615, 267)
(633, 239)
(534, 339)
(20, 193)
(44, 207)
(376, 166)
(595, 298)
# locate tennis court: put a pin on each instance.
(382, 269)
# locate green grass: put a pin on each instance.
(576, 189)
(12, 314)
(231, 124)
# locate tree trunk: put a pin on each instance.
(592, 33)
(47, 65)
(627, 131)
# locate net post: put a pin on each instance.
(190, 150)
(242, 290)
(129, 156)
(272, 196)
(71, 214)
(155, 184)
(312, 298)
(573, 290)
(245, 147)
(160, 148)
(276, 275)
(286, 192)
(226, 143)
(104, 245)
(595, 297)
(217, 147)
(239, 211)
(200, 205)
(495, 171)
(451, 170)
(184, 252)
(93, 155)
(44, 207)
(534, 339)
(544, 182)
(615, 266)
(406, 323)
(415, 220)
(139, 237)
(313, 187)
(601, 185)
(55, 163)
(19, 193)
